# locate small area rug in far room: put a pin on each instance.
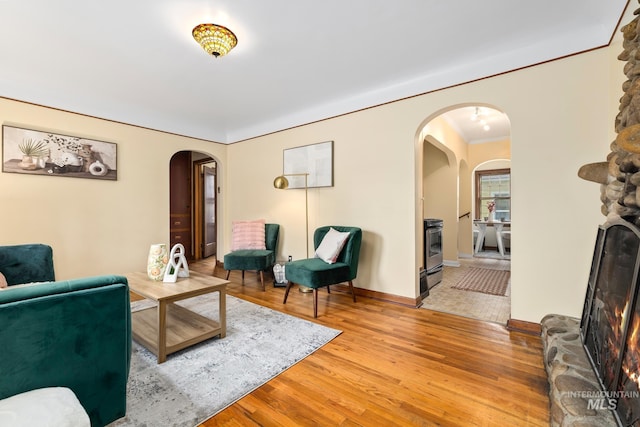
(494, 282)
(200, 381)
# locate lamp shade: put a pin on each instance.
(281, 183)
(215, 39)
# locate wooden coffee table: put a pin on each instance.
(168, 327)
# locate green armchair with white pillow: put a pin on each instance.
(337, 252)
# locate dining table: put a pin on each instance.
(482, 232)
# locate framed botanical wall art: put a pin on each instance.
(36, 152)
(314, 159)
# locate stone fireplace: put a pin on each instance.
(611, 320)
(593, 363)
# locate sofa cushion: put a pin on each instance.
(44, 407)
(314, 272)
(249, 259)
(248, 235)
(27, 263)
(20, 286)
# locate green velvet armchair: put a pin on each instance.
(255, 259)
(315, 273)
(70, 333)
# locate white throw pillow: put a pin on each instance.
(51, 406)
(331, 245)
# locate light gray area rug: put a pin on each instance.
(198, 382)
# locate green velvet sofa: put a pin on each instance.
(72, 333)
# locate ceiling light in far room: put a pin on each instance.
(215, 39)
(476, 114)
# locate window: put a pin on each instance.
(493, 185)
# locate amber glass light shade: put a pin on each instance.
(215, 39)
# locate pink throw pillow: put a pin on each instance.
(248, 235)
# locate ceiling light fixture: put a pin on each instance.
(215, 39)
(477, 114)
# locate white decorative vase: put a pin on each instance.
(157, 262)
(492, 216)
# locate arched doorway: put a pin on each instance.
(193, 190)
(465, 147)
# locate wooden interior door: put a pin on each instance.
(204, 207)
(180, 227)
(210, 237)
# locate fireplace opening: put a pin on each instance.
(611, 320)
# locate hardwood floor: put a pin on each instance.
(393, 366)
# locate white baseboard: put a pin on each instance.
(451, 263)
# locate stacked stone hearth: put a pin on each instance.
(571, 378)
(619, 176)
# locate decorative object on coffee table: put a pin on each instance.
(177, 266)
(157, 261)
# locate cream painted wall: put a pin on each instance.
(480, 153)
(440, 189)
(465, 235)
(561, 115)
(95, 227)
(369, 191)
(442, 195)
(560, 120)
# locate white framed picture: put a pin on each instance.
(316, 160)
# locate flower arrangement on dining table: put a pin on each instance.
(491, 205)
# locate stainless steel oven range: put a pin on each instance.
(433, 259)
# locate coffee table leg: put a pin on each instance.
(162, 331)
(223, 314)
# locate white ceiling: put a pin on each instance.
(297, 61)
(479, 124)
